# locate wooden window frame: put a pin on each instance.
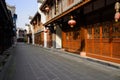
(70, 2)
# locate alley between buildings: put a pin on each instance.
(31, 62)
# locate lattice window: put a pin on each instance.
(70, 35)
(89, 31)
(116, 30)
(67, 36)
(106, 30)
(97, 30)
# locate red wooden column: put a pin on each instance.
(86, 43)
(111, 52)
(93, 39)
(101, 39)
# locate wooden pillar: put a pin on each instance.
(111, 44)
(100, 39)
(92, 38)
(86, 44)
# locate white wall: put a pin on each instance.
(43, 17)
(58, 37)
(43, 20)
(12, 9)
(45, 39)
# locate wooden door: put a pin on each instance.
(103, 41)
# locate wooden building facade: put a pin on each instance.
(102, 33)
(6, 27)
(96, 33)
(38, 29)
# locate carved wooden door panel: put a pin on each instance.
(116, 40)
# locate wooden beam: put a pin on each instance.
(66, 12)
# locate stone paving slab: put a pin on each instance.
(103, 62)
(6, 58)
(36, 63)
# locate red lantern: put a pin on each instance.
(47, 8)
(117, 16)
(72, 22)
(45, 30)
(34, 22)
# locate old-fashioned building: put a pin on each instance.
(29, 34)
(38, 29)
(14, 17)
(43, 20)
(39, 33)
(6, 27)
(85, 27)
(21, 35)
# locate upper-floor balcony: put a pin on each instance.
(54, 8)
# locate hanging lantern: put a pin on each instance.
(34, 22)
(117, 6)
(45, 30)
(117, 16)
(72, 22)
(47, 9)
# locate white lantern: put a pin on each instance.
(117, 6)
(47, 9)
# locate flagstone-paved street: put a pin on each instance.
(36, 63)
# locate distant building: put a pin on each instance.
(29, 34)
(21, 35)
(38, 29)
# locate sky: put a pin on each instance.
(24, 9)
